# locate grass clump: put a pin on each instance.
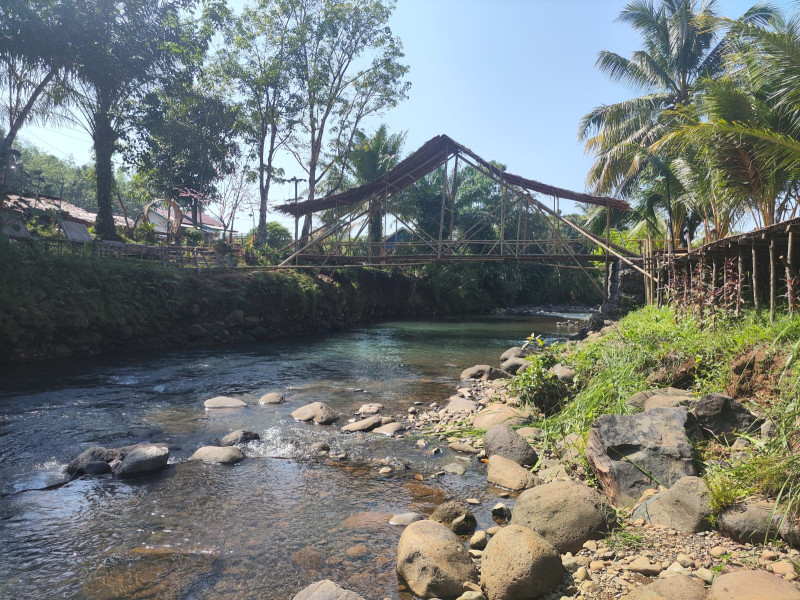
(625, 539)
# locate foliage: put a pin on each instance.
(193, 237)
(536, 385)
(625, 539)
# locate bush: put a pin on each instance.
(536, 384)
(193, 237)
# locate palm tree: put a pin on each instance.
(680, 48)
(371, 157)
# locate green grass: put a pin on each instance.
(610, 370)
(625, 539)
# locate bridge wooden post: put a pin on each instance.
(441, 214)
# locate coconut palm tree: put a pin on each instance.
(681, 47)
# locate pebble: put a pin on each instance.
(582, 574)
(478, 540)
(718, 551)
(643, 566)
(473, 501)
(385, 470)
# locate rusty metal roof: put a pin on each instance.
(431, 155)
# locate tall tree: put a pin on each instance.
(371, 157)
(257, 60)
(347, 68)
(124, 48)
(680, 48)
(33, 59)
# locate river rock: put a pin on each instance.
(433, 561)
(96, 467)
(623, 449)
(752, 585)
(721, 416)
(478, 540)
(514, 365)
(639, 399)
(456, 516)
(483, 372)
(143, 459)
(372, 408)
(218, 454)
(519, 564)
(678, 587)
(515, 352)
(454, 468)
(503, 441)
(458, 404)
(507, 474)
(319, 412)
(364, 424)
(755, 521)
(318, 448)
(563, 373)
(390, 429)
(497, 413)
(326, 590)
(197, 331)
(272, 398)
(93, 454)
(565, 513)
(240, 436)
(461, 447)
(223, 402)
(235, 318)
(406, 518)
(684, 506)
(659, 401)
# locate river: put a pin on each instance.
(264, 528)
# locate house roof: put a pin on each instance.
(64, 209)
(430, 155)
(204, 219)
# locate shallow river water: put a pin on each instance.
(264, 528)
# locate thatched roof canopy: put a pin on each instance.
(431, 155)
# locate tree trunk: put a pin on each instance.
(104, 145)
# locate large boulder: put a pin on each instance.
(223, 402)
(319, 412)
(326, 590)
(752, 585)
(143, 459)
(507, 474)
(721, 416)
(90, 455)
(240, 436)
(684, 506)
(565, 513)
(433, 561)
(218, 454)
(756, 521)
(631, 453)
(367, 424)
(503, 441)
(519, 564)
(497, 413)
(457, 404)
(483, 372)
(456, 516)
(677, 587)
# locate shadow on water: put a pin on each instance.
(264, 528)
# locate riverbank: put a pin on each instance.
(706, 492)
(76, 306)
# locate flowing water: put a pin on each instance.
(264, 528)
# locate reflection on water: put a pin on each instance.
(264, 528)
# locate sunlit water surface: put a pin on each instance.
(263, 528)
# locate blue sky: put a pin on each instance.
(509, 79)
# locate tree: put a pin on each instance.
(257, 62)
(233, 193)
(33, 60)
(680, 48)
(123, 50)
(346, 68)
(185, 140)
(371, 157)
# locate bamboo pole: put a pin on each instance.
(441, 215)
(606, 291)
(773, 281)
(740, 265)
(790, 275)
(754, 280)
